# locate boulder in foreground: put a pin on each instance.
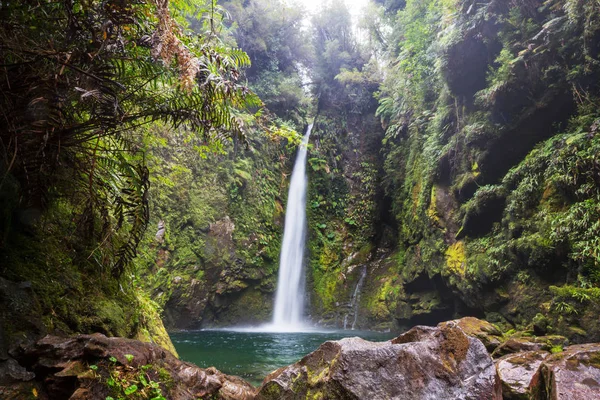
(516, 371)
(423, 363)
(90, 367)
(573, 374)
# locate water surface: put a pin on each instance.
(253, 355)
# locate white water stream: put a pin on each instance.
(289, 300)
(354, 302)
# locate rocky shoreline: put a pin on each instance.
(461, 359)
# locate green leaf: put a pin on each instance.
(129, 357)
(131, 389)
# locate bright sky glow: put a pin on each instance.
(355, 6)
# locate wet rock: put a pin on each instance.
(516, 371)
(424, 363)
(223, 228)
(77, 368)
(160, 233)
(489, 334)
(20, 315)
(571, 375)
(519, 344)
(516, 345)
(186, 305)
(11, 371)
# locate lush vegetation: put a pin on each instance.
(492, 114)
(454, 157)
(85, 87)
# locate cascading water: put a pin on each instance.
(289, 300)
(355, 299)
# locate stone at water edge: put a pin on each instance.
(423, 363)
(516, 371)
(62, 368)
(573, 374)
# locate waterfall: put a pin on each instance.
(289, 300)
(356, 298)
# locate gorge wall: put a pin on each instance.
(473, 191)
(454, 164)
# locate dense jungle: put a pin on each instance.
(453, 198)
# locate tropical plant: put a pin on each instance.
(78, 81)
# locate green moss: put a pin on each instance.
(165, 378)
(384, 302)
(111, 315)
(432, 210)
(151, 328)
(556, 349)
(248, 306)
(592, 360)
(456, 259)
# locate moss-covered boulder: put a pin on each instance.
(530, 343)
(94, 367)
(424, 363)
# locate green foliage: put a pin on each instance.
(81, 113)
(464, 201)
(145, 382)
(76, 139)
(196, 197)
(343, 76)
(271, 33)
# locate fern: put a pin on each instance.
(72, 112)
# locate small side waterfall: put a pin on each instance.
(355, 299)
(289, 300)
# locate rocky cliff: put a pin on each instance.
(486, 201)
(469, 188)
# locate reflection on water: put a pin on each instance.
(253, 355)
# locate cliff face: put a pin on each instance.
(479, 196)
(470, 186)
(492, 168)
(212, 258)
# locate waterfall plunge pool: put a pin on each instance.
(252, 355)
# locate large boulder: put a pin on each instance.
(423, 363)
(516, 371)
(571, 375)
(90, 367)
